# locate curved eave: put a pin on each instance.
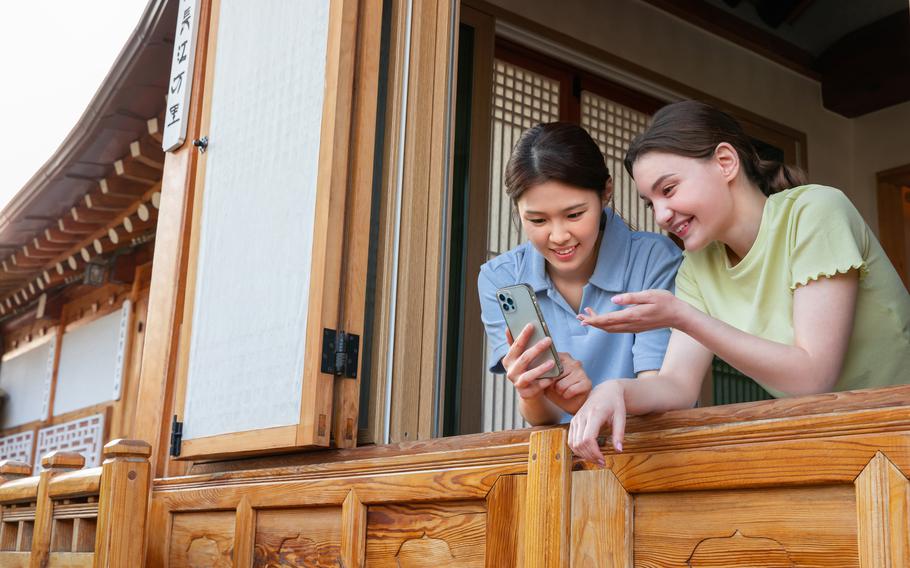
(133, 91)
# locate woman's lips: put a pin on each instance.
(564, 253)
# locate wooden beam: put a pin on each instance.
(54, 463)
(122, 504)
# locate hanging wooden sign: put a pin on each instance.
(181, 79)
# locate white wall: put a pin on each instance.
(842, 152)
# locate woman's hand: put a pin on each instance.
(573, 386)
(606, 403)
(518, 359)
(650, 309)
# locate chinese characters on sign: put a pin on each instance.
(181, 80)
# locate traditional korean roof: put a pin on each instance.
(99, 191)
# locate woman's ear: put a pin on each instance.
(727, 160)
(608, 192)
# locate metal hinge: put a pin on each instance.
(176, 436)
(339, 353)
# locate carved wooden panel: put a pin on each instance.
(449, 534)
(298, 537)
(202, 540)
(799, 526)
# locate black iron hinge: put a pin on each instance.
(339, 353)
(176, 436)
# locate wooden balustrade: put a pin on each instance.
(74, 517)
(815, 481)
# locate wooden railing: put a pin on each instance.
(813, 481)
(74, 517)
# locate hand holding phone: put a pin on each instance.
(519, 309)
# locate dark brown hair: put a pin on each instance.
(694, 129)
(559, 151)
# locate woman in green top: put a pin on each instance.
(792, 289)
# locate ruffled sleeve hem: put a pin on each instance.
(860, 265)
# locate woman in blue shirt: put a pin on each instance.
(578, 255)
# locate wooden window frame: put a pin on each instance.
(342, 201)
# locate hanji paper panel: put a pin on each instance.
(253, 273)
(83, 435)
(26, 379)
(91, 362)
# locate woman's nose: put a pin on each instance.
(559, 233)
(662, 215)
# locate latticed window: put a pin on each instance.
(521, 99)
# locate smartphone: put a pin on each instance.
(519, 308)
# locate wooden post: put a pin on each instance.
(12, 469)
(122, 504)
(882, 503)
(546, 540)
(54, 463)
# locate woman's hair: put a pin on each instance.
(694, 129)
(556, 151)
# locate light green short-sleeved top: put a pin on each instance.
(806, 233)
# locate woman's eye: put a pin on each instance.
(668, 189)
(649, 205)
(535, 221)
(576, 215)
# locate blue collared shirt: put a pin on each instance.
(628, 261)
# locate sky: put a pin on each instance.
(54, 54)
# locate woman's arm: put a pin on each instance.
(823, 313)
(676, 385)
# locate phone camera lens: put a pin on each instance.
(502, 298)
(511, 303)
(506, 307)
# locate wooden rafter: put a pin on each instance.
(121, 210)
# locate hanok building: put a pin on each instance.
(255, 258)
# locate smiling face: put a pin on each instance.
(691, 197)
(563, 224)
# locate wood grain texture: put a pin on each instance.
(506, 504)
(298, 537)
(76, 483)
(328, 229)
(122, 504)
(814, 526)
(244, 529)
(358, 212)
(430, 534)
(793, 462)
(168, 282)
(549, 500)
(54, 463)
(353, 532)
(201, 539)
(601, 521)
(883, 508)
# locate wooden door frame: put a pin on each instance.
(894, 218)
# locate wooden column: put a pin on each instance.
(353, 531)
(546, 538)
(122, 504)
(882, 503)
(54, 463)
(601, 520)
(12, 469)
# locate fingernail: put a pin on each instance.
(616, 299)
(618, 446)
